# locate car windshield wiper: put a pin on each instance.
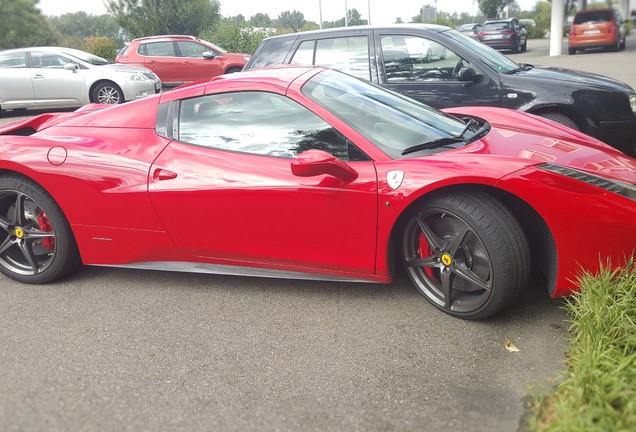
(441, 142)
(522, 67)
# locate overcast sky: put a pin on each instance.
(382, 11)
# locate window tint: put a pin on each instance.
(304, 55)
(192, 49)
(389, 120)
(497, 26)
(13, 60)
(593, 16)
(415, 59)
(272, 52)
(348, 54)
(260, 123)
(47, 60)
(157, 49)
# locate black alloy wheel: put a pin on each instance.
(466, 253)
(36, 242)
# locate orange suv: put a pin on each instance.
(181, 59)
(597, 28)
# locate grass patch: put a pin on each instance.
(598, 391)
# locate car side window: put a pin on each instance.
(157, 49)
(348, 54)
(192, 49)
(46, 60)
(14, 60)
(304, 55)
(408, 59)
(260, 123)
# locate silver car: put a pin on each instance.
(53, 77)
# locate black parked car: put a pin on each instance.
(504, 34)
(468, 73)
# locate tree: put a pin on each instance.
(492, 8)
(22, 24)
(294, 20)
(154, 17)
(261, 20)
(235, 37)
(81, 24)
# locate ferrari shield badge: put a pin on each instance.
(394, 178)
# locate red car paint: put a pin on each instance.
(133, 197)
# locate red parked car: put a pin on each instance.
(179, 60)
(305, 172)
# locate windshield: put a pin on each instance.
(491, 57)
(86, 57)
(392, 122)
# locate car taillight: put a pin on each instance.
(612, 29)
(572, 32)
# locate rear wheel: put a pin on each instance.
(466, 254)
(560, 118)
(524, 47)
(571, 51)
(517, 46)
(36, 242)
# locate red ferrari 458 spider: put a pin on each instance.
(305, 172)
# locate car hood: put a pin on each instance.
(587, 79)
(117, 67)
(524, 139)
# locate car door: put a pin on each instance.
(161, 58)
(428, 71)
(52, 84)
(16, 87)
(225, 191)
(195, 67)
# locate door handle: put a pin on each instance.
(163, 174)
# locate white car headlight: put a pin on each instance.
(632, 101)
(139, 76)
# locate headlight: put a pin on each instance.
(632, 101)
(618, 187)
(139, 76)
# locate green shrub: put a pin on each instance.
(101, 46)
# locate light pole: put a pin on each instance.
(346, 24)
(320, 12)
(435, 2)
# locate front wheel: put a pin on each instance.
(466, 253)
(107, 93)
(36, 242)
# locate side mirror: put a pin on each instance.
(70, 67)
(467, 74)
(209, 55)
(317, 162)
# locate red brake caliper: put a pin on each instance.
(45, 225)
(425, 252)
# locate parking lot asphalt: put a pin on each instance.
(121, 350)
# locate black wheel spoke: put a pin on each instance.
(27, 251)
(6, 244)
(34, 234)
(471, 277)
(453, 246)
(430, 236)
(18, 215)
(423, 262)
(447, 287)
(4, 224)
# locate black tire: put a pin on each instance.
(560, 118)
(36, 242)
(571, 51)
(517, 47)
(466, 253)
(617, 45)
(524, 47)
(623, 44)
(107, 93)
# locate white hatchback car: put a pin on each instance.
(54, 77)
